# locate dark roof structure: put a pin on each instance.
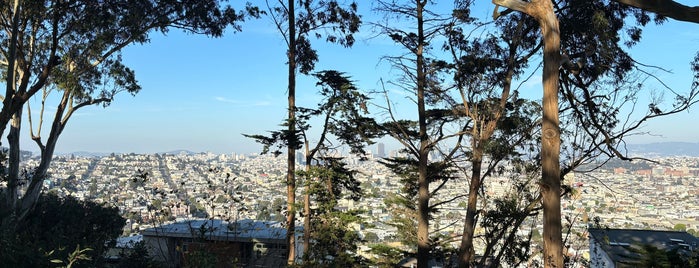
(624, 245)
(219, 230)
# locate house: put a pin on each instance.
(244, 243)
(625, 247)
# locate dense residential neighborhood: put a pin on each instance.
(159, 190)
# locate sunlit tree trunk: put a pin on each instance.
(542, 11)
(291, 147)
(551, 141)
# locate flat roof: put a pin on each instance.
(219, 230)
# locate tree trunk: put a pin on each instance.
(466, 251)
(7, 112)
(291, 147)
(670, 9)
(31, 196)
(13, 178)
(423, 237)
(542, 11)
(551, 140)
(307, 206)
(6, 115)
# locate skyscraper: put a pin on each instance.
(380, 151)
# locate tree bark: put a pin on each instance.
(8, 114)
(13, 179)
(670, 9)
(466, 251)
(542, 11)
(551, 141)
(7, 104)
(423, 237)
(35, 185)
(307, 205)
(291, 147)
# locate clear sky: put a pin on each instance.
(202, 94)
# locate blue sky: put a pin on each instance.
(202, 94)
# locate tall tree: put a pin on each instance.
(343, 123)
(403, 206)
(484, 69)
(341, 112)
(593, 60)
(296, 25)
(73, 47)
(419, 77)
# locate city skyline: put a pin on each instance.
(201, 94)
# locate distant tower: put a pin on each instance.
(380, 152)
(300, 158)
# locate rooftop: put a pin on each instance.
(219, 230)
(624, 245)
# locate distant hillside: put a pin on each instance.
(182, 151)
(85, 154)
(22, 154)
(665, 149)
(98, 154)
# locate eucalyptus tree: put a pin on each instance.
(542, 11)
(498, 125)
(594, 60)
(296, 25)
(73, 48)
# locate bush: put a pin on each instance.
(55, 228)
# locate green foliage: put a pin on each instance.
(403, 205)
(55, 227)
(403, 217)
(602, 78)
(278, 140)
(342, 113)
(80, 41)
(501, 225)
(73, 258)
(338, 23)
(334, 240)
(371, 237)
(680, 227)
(386, 256)
(343, 109)
(138, 257)
(200, 259)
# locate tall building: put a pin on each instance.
(381, 150)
